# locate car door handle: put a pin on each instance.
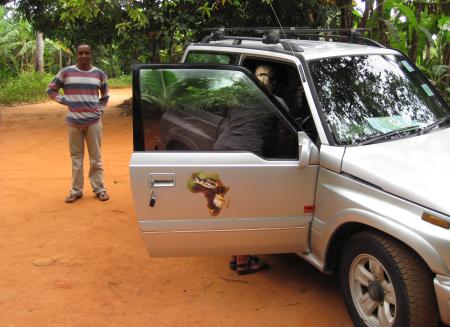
(162, 180)
(152, 201)
(159, 180)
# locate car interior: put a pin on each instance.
(290, 89)
(280, 142)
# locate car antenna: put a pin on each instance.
(281, 27)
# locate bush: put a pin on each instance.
(120, 82)
(28, 87)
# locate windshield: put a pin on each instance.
(366, 96)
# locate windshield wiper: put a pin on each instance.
(437, 123)
(396, 132)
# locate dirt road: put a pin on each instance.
(85, 264)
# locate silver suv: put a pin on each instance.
(353, 176)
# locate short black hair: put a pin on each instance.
(83, 45)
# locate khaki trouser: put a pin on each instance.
(93, 137)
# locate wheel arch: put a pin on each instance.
(411, 290)
(414, 242)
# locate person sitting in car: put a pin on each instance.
(246, 131)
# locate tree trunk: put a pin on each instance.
(382, 24)
(365, 17)
(39, 54)
(447, 62)
(155, 57)
(154, 46)
(60, 59)
(346, 7)
(113, 69)
(427, 51)
(25, 63)
(414, 37)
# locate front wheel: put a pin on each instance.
(385, 283)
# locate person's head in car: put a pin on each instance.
(267, 76)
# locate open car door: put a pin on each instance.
(193, 197)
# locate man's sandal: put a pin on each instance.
(102, 196)
(254, 264)
(232, 264)
(71, 198)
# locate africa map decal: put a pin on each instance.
(212, 187)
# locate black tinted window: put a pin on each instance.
(197, 57)
(208, 110)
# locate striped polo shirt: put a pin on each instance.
(81, 94)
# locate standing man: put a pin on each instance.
(81, 84)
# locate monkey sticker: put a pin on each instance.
(212, 187)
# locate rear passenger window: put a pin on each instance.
(210, 110)
(197, 57)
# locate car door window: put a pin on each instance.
(200, 57)
(210, 109)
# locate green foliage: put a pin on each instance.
(16, 41)
(206, 9)
(208, 58)
(75, 9)
(418, 29)
(211, 91)
(157, 89)
(27, 87)
(424, 28)
(30, 87)
(123, 33)
(307, 13)
(18, 45)
(120, 82)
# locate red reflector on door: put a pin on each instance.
(308, 209)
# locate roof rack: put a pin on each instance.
(271, 35)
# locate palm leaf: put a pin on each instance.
(157, 82)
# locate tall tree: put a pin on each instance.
(447, 62)
(39, 52)
(346, 8)
(382, 25)
(412, 53)
(368, 9)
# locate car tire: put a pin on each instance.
(385, 283)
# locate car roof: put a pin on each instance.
(310, 50)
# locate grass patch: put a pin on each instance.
(120, 82)
(28, 87)
(31, 87)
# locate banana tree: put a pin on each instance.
(22, 48)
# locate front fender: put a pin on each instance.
(345, 204)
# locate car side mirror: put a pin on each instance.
(307, 151)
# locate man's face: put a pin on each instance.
(264, 73)
(84, 55)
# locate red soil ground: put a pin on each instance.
(85, 264)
